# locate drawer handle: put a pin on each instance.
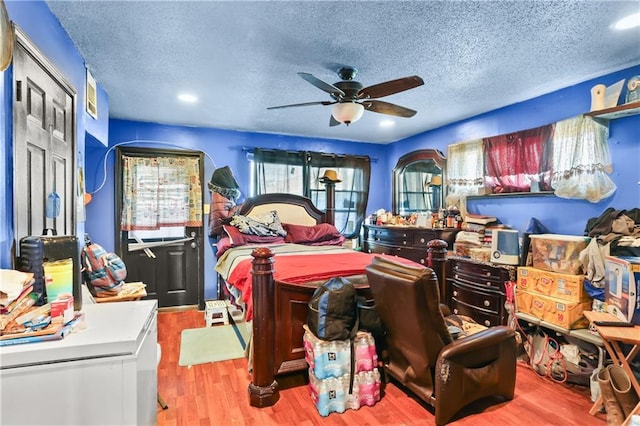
(422, 261)
(488, 274)
(487, 303)
(369, 250)
(422, 240)
(457, 267)
(455, 311)
(404, 235)
(455, 293)
(404, 242)
(487, 323)
(489, 283)
(456, 276)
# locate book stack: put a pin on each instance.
(21, 321)
(15, 295)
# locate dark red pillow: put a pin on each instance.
(301, 234)
(239, 239)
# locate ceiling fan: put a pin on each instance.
(350, 98)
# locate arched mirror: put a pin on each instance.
(419, 182)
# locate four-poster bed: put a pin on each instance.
(279, 306)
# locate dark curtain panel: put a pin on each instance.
(300, 172)
(517, 162)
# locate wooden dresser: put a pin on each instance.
(409, 242)
(476, 289)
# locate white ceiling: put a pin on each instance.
(240, 57)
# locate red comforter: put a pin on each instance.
(301, 268)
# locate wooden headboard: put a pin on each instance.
(291, 208)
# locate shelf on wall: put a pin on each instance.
(512, 194)
(619, 111)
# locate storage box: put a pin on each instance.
(622, 286)
(562, 286)
(560, 312)
(62, 309)
(558, 253)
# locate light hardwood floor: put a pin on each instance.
(216, 394)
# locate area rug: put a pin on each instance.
(209, 344)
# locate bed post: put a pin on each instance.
(330, 188)
(263, 389)
(436, 260)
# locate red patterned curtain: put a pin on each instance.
(517, 162)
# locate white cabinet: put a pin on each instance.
(103, 375)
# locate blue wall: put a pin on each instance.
(226, 147)
(222, 147)
(559, 215)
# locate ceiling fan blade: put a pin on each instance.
(333, 122)
(390, 87)
(329, 88)
(303, 104)
(383, 107)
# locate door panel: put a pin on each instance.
(175, 276)
(44, 144)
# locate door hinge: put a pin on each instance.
(18, 91)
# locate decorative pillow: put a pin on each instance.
(238, 238)
(223, 244)
(301, 234)
(264, 225)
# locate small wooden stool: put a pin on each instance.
(216, 312)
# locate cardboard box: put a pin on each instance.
(558, 253)
(622, 279)
(562, 286)
(560, 312)
(62, 309)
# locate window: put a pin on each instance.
(299, 172)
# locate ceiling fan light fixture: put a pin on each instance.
(347, 112)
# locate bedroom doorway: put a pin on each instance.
(159, 222)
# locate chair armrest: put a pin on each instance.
(487, 338)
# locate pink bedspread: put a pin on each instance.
(302, 268)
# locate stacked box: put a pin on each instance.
(622, 287)
(560, 312)
(561, 286)
(558, 253)
(330, 372)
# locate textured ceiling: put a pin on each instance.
(240, 57)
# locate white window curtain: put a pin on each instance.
(465, 171)
(581, 160)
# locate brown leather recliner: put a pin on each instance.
(422, 355)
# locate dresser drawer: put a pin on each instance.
(479, 281)
(481, 316)
(397, 237)
(476, 269)
(479, 299)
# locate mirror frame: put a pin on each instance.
(422, 155)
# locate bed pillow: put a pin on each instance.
(264, 225)
(301, 234)
(238, 238)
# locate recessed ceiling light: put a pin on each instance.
(627, 22)
(188, 98)
(387, 123)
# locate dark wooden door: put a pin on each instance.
(44, 144)
(173, 266)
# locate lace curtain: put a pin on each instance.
(160, 192)
(465, 170)
(581, 160)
